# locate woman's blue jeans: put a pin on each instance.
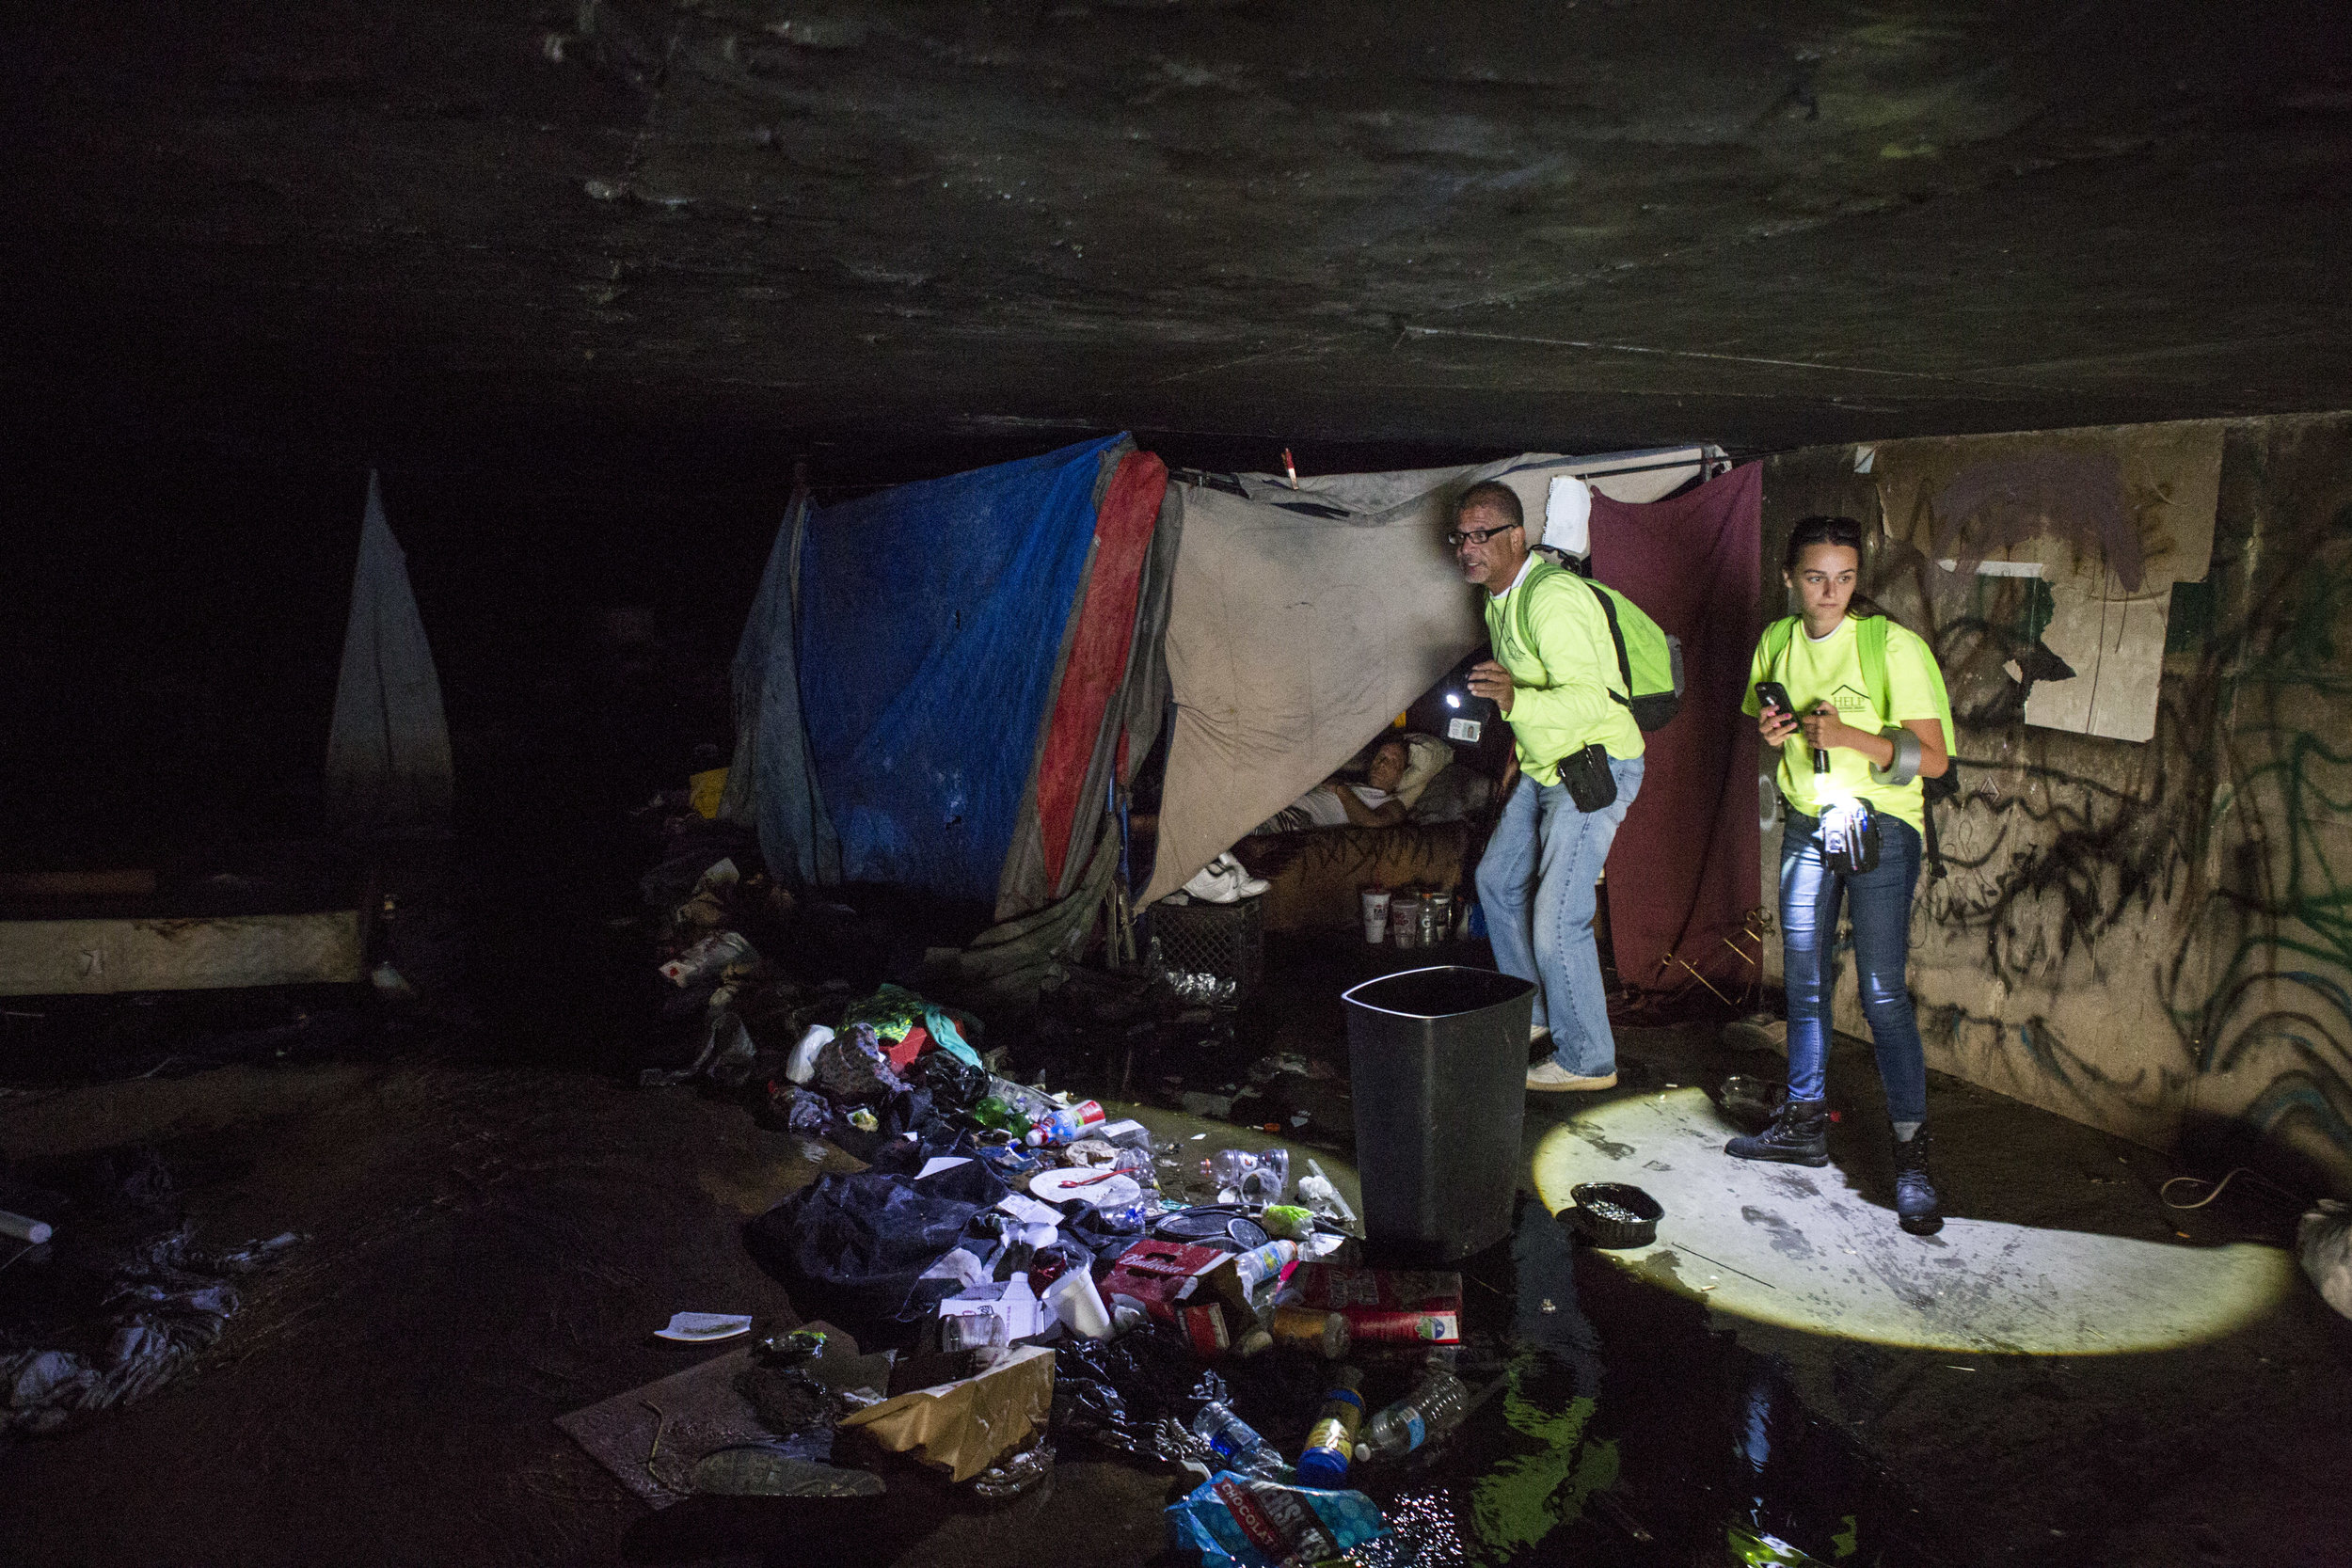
(1880, 903)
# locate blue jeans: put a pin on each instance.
(1536, 884)
(1880, 902)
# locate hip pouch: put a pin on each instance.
(1589, 782)
(1850, 839)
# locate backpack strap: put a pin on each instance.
(1871, 643)
(1616, 634)
(1535, 573)
(1776, 640)
(1518, 627)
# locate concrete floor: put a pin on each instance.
(491, 1246)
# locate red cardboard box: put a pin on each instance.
(1386, 1307)
(1170, 1276)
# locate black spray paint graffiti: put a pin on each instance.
(2237, 821)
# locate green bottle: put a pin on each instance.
(995, 1114)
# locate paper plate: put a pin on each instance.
(694, 1327)
(1060, 1186)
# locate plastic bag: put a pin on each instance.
(1015, 1475)
(854, 1248)
(851, 1068)
(2324, 1241)
(1117, 1392)
(1235, 1522)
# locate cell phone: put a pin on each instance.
(1774, 695)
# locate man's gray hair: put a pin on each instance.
(1492, 495)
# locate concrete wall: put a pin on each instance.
(2154, 938)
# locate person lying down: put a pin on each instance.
(1337, 803)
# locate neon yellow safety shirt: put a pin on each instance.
(1830, 669)
(1560, 702)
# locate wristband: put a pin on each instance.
(1905, 765)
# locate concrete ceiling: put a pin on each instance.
(1575, 226)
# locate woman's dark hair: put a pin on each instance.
(1822, 530)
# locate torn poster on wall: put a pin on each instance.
(2109, 517)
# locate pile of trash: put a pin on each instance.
(118, 1297)
(1042, 1285)
(1016, 1275)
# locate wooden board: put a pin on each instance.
(85, 957)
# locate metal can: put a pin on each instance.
(1308, 1328)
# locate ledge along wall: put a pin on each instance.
(2151, 937)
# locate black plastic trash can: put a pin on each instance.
(1437, 1066)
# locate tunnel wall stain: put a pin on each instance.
(2154, 938)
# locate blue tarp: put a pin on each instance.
(772, 785)
(932, 616)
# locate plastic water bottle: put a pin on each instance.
(1260, 1264)
(1236, 1441)
(1429, 1411)
(1066, 1124)
(1331, 1441)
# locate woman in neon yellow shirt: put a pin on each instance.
(1867, 721)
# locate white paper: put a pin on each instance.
(1029, 1211)
(1568, 515)
(960, 1265)
(705, 1325)
(938, 1163)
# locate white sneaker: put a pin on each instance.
(1247, 886)
(1538, 1032)
(1552, 1078)
(1213, 884)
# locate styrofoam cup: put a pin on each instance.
(1077, 1302)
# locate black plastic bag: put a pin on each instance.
(852, 1248)
(1116, 1392)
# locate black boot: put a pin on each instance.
(1798, 1136)
(1914, 1194)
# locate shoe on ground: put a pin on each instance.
(1552, 1078)
(1798, 1135)
(1538, 1032)
(1915, 1193)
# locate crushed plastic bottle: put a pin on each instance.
(1430, 1411)
(1236, 1443)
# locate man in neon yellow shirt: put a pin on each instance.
(1554, 676)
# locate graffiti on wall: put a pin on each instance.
(2162, 932)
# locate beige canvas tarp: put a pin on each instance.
(1302, 621)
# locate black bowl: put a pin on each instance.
(1614, 1214)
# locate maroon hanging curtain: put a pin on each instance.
(1682, 875)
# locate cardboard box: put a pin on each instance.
(1165, 1277)
(963, 1427)
(1386, 1307)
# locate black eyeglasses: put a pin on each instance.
(1477, 536)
